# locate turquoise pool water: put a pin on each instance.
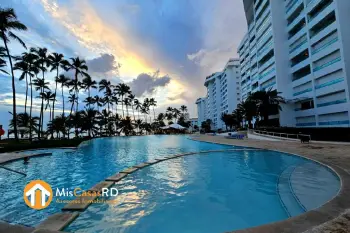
(213, 192)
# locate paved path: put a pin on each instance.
(333, 216)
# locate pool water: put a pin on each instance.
(94, 161)
(212, 192)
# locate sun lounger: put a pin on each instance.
(236, 136)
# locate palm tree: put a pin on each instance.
(23, 66)
(75, 86)
(79, 67)
(48, 97)
(106, 86)
(41, 86)
(122, 89)
(126, 102)
(58, 125)
(138, 123)
(98, 101)
(267, 102)
(89, 118)
(126, 126)
(132, 99)
(87, 84)
(237, 117)
(176, 113)
(72, 99)
(8, 24)
(56, 61)
(248, 108)
(42, 62)
(153, 102)
(64, 81)
(144, 110)
(138, 106)
(183, 108)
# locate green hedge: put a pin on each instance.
(12, 145)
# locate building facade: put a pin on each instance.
(223, 94)
(201, 110)
(302, 49)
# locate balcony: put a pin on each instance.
(293, 6)
(333, 61)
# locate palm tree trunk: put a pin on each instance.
(25, 103)
(30, 110)
(122, 107)
(62, 101)
(13, 89)
(154, 114)
(133, 113)
(54, 101)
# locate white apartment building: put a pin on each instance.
(201, 110)
(302, 49)
(223, 94)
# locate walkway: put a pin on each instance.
(334, 216)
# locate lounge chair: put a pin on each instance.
(236, 136)
(304, 138)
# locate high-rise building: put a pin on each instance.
(201, 110)
(223, 94)
(302, 49)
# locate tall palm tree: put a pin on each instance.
(48, 97)
(131, 97)
(42, 63)
(122, 89)
(64, 81)
(145, 109)
(153, 103)
(56, 60)
(138, 106)
(79, 68)
(23, 66)
(126, 102)
(8, 24)
(87, 84)
(138, 123)
(267, 102)
(40, 85)
(75, 86)
(176, 113)
(106, 86)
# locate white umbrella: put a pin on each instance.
(176, 126)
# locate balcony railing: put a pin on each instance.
(330, 83)
(338, 59)
(266, 73)
(345, 122)
(298, 46)
(325, 45)
(302, 92)
(332, 103)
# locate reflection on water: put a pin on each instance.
(215, 192)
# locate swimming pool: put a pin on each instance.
(213, 192)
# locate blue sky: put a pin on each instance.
(185, 39)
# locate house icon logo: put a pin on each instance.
(37, 194)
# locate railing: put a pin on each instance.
(281, 135)
(298, 46)
(338, 80)
(325, 46)
(338, 59)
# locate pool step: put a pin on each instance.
(104, 184)
(56, 222)
(117, 177)
(129, 170)
(142, 165)
(286, 193)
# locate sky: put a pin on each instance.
(129, 40)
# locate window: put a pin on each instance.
(307, 105)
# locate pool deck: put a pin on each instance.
(334, 216)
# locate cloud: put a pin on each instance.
(104, 64)
(145, 83)
(181, 96)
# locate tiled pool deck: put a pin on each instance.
(334, 216)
